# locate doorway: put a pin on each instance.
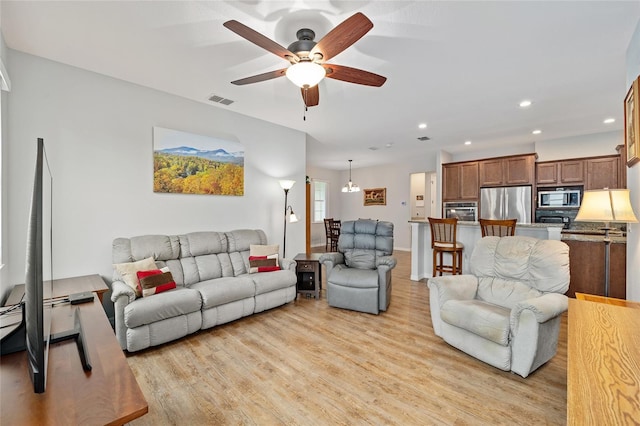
(423, 195)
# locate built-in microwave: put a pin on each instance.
(559, 198)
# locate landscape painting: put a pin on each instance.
(184, 163)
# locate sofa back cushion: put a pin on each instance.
(512, 269)
(363, 240)
(164, 249)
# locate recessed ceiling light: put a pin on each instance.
(389, 145)
(422, 126)
(609, 120)
(537, 132)
(525, 103)
(467, 142)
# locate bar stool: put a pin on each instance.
(498, 228)
(443, 240)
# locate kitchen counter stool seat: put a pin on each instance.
(443, 240)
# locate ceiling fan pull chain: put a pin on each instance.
(304, 115)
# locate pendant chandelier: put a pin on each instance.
(350, 186)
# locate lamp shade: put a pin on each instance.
(287, 184)
(606, 205)
(306, 73)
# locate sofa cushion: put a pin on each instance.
(172, 303)
(480, 318)
(224, 290)
(274, 280)
(128, 272)
(155, 281)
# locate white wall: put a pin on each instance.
(4, 225)
(98, 136)
(580, 146)
(633, 182)
(472, 154)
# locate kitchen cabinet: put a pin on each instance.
(558, 173)
(506, 171)
(586, 266)
(602, 172)
(460, 181)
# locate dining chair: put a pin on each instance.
(335, 227)
(498, 228)
(443, 240)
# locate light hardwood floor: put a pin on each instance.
(308, 364)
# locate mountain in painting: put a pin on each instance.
(219, 154)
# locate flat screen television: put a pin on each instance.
(33, 332)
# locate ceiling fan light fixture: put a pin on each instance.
(306, 74)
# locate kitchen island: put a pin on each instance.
(467, 233)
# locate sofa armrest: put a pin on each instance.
(454, 287)
(289, 264)
(120, 289)
(386, 261)
(121, 296)
(330, 260)
(545, 307)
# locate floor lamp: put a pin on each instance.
(606, 205)
(286, 185)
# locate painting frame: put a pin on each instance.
(375, 197)
(632, 123)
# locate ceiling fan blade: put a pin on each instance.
(354, 75)
(258, 39)
(311, 96)
(260, 77)
(342, 36)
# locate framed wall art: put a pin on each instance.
(375, 197)
(632, 123)
(185, 163)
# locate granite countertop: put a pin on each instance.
(592, 235)
(519, 225)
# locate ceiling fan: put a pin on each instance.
(308, 58)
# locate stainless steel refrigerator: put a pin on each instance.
(512, 202)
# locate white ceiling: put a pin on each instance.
(460, 67)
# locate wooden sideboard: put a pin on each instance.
(603, 362)
(108, 394)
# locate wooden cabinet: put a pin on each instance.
(460, 181)
(309, 274)
(558, 173)
(603, 172)
(586, 266)
(592, 172)
(505, 171)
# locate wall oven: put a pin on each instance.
(467, 211)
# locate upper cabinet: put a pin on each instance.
(460, 181)
(592, 172)
(602, 172)
(557, 173)
(507, 171)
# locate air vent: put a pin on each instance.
(220, 100)
(373, 148)
(424, 138)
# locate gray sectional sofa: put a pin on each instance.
(214, 286)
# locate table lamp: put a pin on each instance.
(606, 205)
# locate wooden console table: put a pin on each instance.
(603, 364)
(108, 394)
(64, 287)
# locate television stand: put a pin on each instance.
(76, 334)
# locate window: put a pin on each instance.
(319, 200)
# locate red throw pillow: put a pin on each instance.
(155, 281)
(263, 263)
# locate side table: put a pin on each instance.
(309, 272)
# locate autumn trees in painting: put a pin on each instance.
(186, 163)
(194, 175)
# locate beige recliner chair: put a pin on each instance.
(507, 311)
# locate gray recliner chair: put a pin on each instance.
(507, 311)
(359, 274)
